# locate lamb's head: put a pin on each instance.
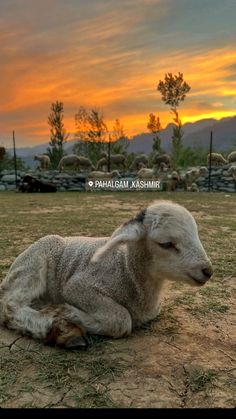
(169, 233)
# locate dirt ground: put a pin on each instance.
(184, 358)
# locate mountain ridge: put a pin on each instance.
(196, 134)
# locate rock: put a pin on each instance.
(10, 178)
(2, 188)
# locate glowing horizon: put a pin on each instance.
(104, 55)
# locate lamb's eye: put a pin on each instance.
(167, 245)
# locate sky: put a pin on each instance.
(110, 55)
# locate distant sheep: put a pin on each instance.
(76, 162)
(44, 160)
(141, 158)
(161, 158)
(103, 175)
(102, 164)
(231, 172)
(216, 159)
(115, 159)
(193, 188)
(72, 160)
(232, 157)
(170, 181)
(60, 288)
(146, 173)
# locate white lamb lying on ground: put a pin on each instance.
(60, 288)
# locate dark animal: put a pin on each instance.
(31, 184)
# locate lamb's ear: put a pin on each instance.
(131, 231)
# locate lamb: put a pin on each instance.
(44, 160)
(216, 159)
(59, 289)
(232, 157)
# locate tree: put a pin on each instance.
(174, 90)
(58, 133)
(7, 163)
(2, 152)
(91, 130)
(118, 138)
(154, 126)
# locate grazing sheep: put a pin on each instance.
(103, 175)
(44, 160)
(72, 160)
(147, 173)
(31, 184)
(141, 158)
(232, 157)
(216, 159)
(85, 163)
(115, 159)
(203, 171)
(231, 172)
(76, 162)
(141, 165)
(60, 288)
(161, 158)
(102, 164)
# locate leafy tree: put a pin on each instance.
(91, 130)
(58, 133)
(2, 152)
(174, 90)
(187, 157)
(7, 163)
(154, 126)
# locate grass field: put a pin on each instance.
(185, 358)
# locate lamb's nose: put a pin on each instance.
(208, 272)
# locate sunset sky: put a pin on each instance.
(111, 54)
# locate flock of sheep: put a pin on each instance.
(161, 168)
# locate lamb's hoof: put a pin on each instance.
(78, 342)
(66, 335)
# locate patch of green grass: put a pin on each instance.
(198, 379)
(209, 306)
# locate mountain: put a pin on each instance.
(195, 134)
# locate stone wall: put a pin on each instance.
(72, 181)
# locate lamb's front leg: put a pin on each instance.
(96, 312)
